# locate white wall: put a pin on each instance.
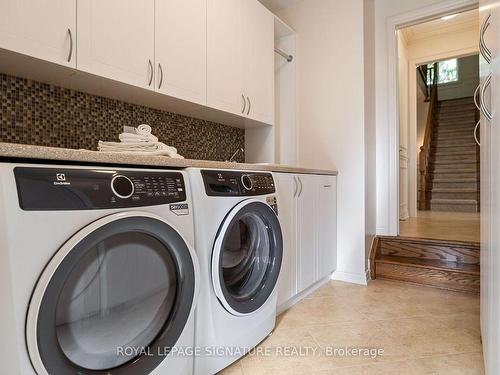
(331, 113)
(468, 79)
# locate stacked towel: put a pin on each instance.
(139, 142)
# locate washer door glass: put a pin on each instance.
(127, 280)
(123, 290)
(249, 257)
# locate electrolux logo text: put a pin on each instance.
(61, 179)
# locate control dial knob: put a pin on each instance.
(247, 182)
(122, 186)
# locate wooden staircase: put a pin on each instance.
(452, 171)
(452, 265)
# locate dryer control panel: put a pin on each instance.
(52, 189)
(236, 183)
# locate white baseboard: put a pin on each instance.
(295, 299)
(348, 277)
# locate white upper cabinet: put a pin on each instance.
(181, 41)
(116, 40)
(258, 60)
(224, 56)
(240, 58)
(45, 29)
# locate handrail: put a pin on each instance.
(425, 149)
(422, 69)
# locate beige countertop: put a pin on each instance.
(9, 151)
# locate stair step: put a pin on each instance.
(471, 163)
(462, 252)
(455, 173)
(455, 115)
(454, 193)
(445, 147)
(454, 205)
(456, 123)
(455, 159)
(466, 108)
(454, 102)
(452, 152)
(466, 136)
(428, 273)
(451, 130)
(452, 265)
(455, 183)
(454, 142)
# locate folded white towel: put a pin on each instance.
(140, 148)
(141, 134)
(140, 141)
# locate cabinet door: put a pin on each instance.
(224, 55)
(116, 40)
(258, 59)
(327, 225)
(490, 192)
(307, 231)
(40, 28)
(180, 39)
(286, 190)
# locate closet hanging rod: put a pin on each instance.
(288, 57)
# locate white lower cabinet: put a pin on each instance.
(308, 216)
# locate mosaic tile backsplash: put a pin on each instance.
(40, 114)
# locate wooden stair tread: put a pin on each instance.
(431, 264)
(443, 264)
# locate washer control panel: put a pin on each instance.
(79, 189)
(235, 183)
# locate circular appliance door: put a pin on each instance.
(247, 257)
(112, 298)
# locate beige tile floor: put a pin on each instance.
(458, 226)
(422, 331)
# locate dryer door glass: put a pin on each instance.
(119, 297)
(250, 257)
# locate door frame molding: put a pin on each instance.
(392, 25)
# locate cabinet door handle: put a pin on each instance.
(485, 51)
(327, 186)
(295, 186)
(244, 104)
(160, 70)
(150, 71)
(484, 110)
(70, 44)
(475, 133)
(300, 182)
(249, 105)
(476, 99)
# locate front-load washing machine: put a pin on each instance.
(239, 244)
(97, 271)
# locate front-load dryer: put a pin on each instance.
(97, 271)
(239, 244)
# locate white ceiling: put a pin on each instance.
(429, 29)
(275, 5)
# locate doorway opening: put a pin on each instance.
(438, 73)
